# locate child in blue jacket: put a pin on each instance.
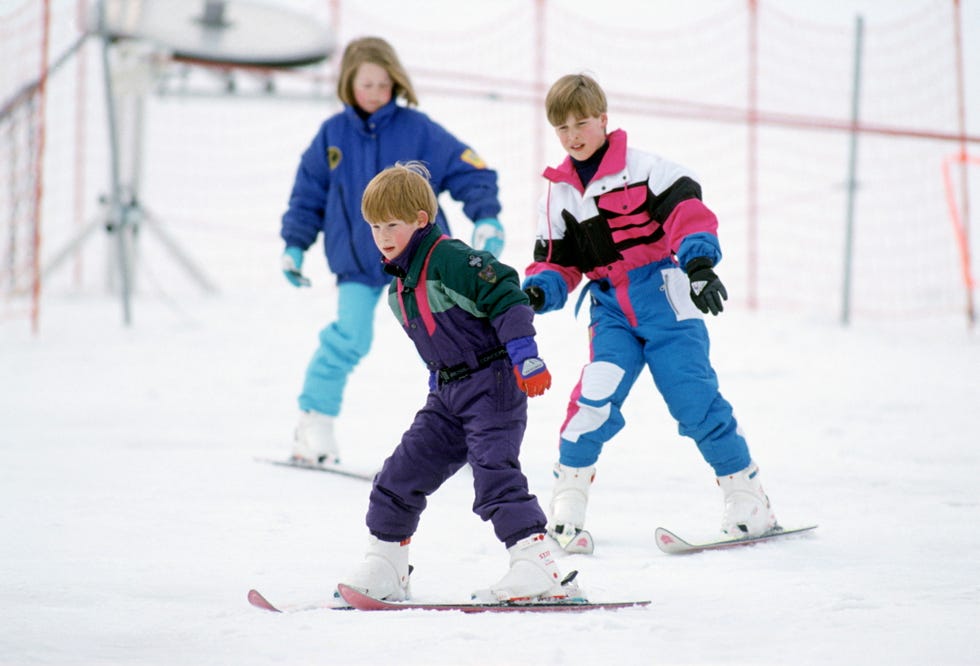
(472, 326)
(371, 133)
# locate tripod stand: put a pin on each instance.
(124, 215)
(203, 31)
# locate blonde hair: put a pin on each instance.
(575, 94)
(379, 52)
(399, 193)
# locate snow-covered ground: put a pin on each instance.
(135, 519)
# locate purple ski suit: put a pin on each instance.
(460, 307)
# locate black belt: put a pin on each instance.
(460, 371)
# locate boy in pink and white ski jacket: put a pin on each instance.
(634, 224)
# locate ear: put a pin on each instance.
(603, 118)
(422, 218)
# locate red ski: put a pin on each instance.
(365, 603)
(256, 599)
(672, 544)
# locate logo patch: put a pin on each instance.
(333, 157)
(531, 366)
(473, 159)
(488, 274)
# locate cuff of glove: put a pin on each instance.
(697, 264)
(552, 288)
(521, 349)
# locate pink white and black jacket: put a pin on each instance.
(638, 209)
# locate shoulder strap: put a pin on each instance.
(421, 293)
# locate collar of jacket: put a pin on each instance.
(408, 264)
(375, 121)
(613, 161)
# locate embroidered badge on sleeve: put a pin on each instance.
(473, 159)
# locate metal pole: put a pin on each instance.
(118, 212)
(852, 172)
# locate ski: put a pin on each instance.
(330, 469)
(578, 542)
(259, 601)
(363, 602)
(672, 544)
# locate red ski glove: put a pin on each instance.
(532, 376)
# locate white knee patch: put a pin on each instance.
(586, 419)
(600, 380)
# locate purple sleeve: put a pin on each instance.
(521, 349)
(515, 322)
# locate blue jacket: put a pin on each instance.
(346, 154)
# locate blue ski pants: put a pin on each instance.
(670, 338)
(343, 344)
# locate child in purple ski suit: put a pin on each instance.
(633, 223)
(472, 326)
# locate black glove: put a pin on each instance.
(707, 291)
(536, 296)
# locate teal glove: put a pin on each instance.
(292, 262)
(488, 234)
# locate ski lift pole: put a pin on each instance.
(852, 173)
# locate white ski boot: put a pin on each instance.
(567, 509)
(533, 575)
(384, 572)
(747, 509)
(313, 441)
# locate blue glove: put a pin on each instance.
(546, 290)
(488, 234)
(292, 262)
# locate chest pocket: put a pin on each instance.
(629, 216)
(625, 201)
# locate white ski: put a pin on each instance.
(340, 470)
(672, 544)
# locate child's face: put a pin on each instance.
(372, 87)
(392, 237)
(580, 137)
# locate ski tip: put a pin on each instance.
(361, 601)
(669, 542)
(348, 594)
(256, 599)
